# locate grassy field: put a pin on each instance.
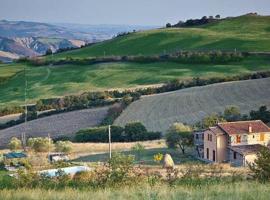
(191, 105)
(244, 33)
(146, 157)
(46, 81)
(245, 190)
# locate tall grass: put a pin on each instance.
(238, 191)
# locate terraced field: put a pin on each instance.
(158, 112)
(56, 125)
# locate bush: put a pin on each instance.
(40, 144)
(15, 144)
(135, 131)
(131, 133)
(63, 146)
(261, 165)
(100, 134)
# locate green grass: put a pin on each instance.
(47, 82)
(245, 33)
(146, 157)
(245, 190)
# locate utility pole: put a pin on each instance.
(25, 112)
(110, 142)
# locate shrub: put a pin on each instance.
(261, 165)
(15, 144)
(135, 131)
(40, 144)
(63, 146)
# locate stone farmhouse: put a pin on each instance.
(233, 142)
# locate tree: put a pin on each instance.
(63, 146)
(262, 114)
(217, 17)
(261, 165)
(232, 114)
(48, 52)
(136, 131)
(168, 25)
(40, 144)
(138, 148)
(179, 136)
(211, 120)
(15, 144)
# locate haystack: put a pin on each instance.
(168, 162)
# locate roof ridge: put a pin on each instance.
(240, 121)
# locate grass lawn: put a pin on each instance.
(146, 156)
(48, 82)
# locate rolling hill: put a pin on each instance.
(158, 112)
(64, 124)
(61, 80)
(244, 33)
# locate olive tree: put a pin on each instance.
(179, 136)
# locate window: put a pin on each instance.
(209, 137)
(238, 139)
(197, 136)
(207, 153)
(262, 137)
(253, 136)
(214, 155)
(234, 155)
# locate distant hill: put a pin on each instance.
(243, 33)
(20, 38)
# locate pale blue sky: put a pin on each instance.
(140, 12)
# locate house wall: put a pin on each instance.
(250, 138)
(210, 145)
(222, 152)
(238, 161)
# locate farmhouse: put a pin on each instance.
(234, 142)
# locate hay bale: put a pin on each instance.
(168, 162)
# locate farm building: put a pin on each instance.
(234, 142)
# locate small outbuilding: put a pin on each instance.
(244, 154)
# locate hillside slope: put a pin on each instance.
(244, 33)
(61, 80)
(64, 124)
(158, 112)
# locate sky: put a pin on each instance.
(132, 12)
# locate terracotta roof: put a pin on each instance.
(216, 130)
(242, 127)
(246, 149)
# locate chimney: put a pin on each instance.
(249, 128)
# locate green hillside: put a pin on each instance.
(55, 81)
(244, 33)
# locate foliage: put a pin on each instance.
(136, 131)
(179, 136)
(262, 114)
(261, 165)
(133, 132)
(232, 114)
(212, 120)
(158, 157)
(40, 144)
(138, 148)
(15, 144)
(63, 146)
